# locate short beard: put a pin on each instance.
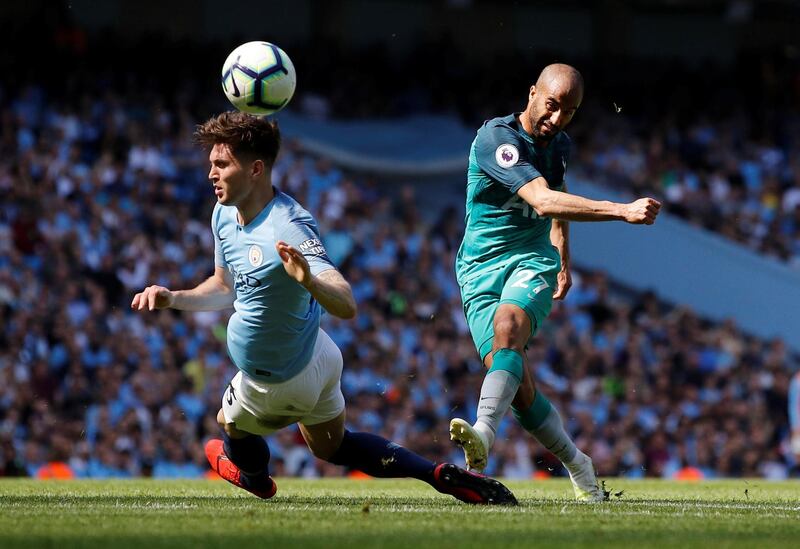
(537, 133)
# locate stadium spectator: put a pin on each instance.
(651, 389)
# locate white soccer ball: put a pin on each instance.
(258, 78)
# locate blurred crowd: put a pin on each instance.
(719, 146)
(727, 174)
(105, 194)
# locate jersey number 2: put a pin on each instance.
(525, 277)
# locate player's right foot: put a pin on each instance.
(472, 441)
(224, 467)
(471, 488)
(584, 480)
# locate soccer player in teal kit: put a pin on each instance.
(514, 260)
(272, 268)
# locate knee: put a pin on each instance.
(327, 448)
(506, 326)
(512, 327)
(507, 331)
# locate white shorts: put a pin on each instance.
(311, 397)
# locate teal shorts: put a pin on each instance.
(527, 281)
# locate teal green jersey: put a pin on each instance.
(499, 224)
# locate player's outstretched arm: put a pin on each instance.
(571, 207)
(329, 288)
(213, 294)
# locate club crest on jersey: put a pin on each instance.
(255, 255)
(312, 246)
(506, 155)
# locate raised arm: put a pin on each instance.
(333, 292)
(213, 294)
(329, 287)
(571, 207)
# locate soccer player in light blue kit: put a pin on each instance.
(272, 268)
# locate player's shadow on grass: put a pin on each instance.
(361, 499)
(228, 500)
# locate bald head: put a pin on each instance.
(559, 76)
(552, 101)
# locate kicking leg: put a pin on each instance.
(512, 328)
(537, 416)
(379, 457)
(542, 420)
(509, 383)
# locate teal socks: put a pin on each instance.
(543, 422)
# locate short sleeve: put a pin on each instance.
(303, 235)
(219, 254)
(503, 155)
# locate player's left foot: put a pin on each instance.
(584, 480)
(471, 488)
(476, 449)
(224, 467)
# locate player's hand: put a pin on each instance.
(295, 263)
(153, 297)
(642, 211)
(564, 283)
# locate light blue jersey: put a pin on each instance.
(272, 333)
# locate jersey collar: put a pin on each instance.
(262, 215)
(513, 121)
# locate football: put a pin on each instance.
(258, 78)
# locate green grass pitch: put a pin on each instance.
(379, 513)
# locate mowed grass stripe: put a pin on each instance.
(380, 513)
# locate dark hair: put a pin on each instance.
(244, 133)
